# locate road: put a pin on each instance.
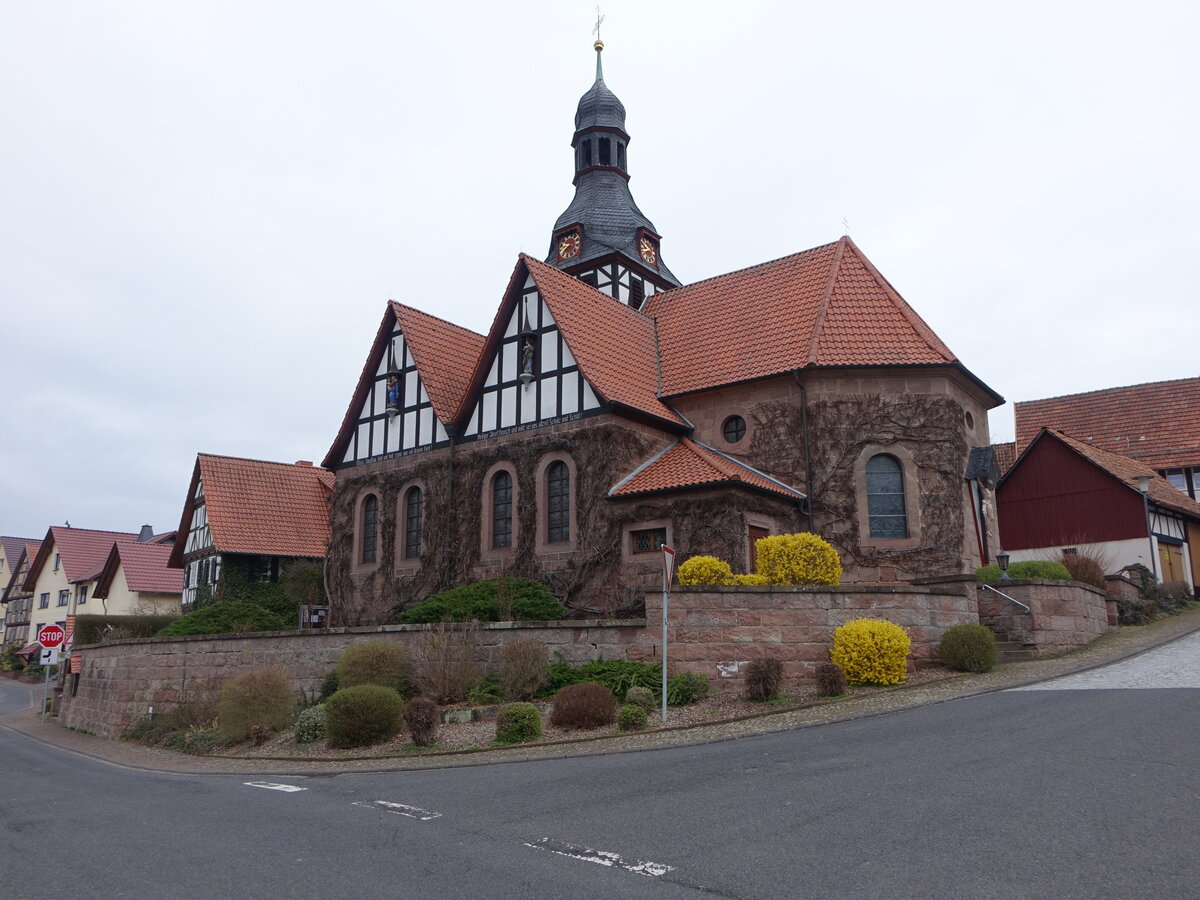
(1068, 790)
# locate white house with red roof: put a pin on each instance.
(136, 579)
(611, 408)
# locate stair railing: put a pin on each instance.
(1006, 597)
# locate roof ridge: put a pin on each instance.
(595, 290)
(748, 467)
(835, 267)
(92, 530)
(436, 318)
(269, 462)
(1122, 387)
(770, 262)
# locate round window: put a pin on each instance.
(734, 429)
(970, 420)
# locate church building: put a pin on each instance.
(611, 408)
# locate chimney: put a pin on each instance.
(145, 534)
(304, 462)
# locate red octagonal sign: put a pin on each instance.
(51, 635)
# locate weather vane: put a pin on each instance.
(599, 22)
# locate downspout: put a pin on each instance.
(808, 471)
(452, 550)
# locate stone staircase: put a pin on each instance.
(1010, 650)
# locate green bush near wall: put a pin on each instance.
(494, 600)
(92, 629)
(1031, 568)
(225, 618)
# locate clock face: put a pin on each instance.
(569, 245)
(648, 251)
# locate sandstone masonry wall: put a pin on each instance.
(1062, 614)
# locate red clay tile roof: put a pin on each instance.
(445, 355)
(16, 589)
(82, 552)
(612, 343)
(145, 566)
(1162, 492)
(689, 464)
(266, 508)
(1006, 455)
(1158, 423)
(823, 307)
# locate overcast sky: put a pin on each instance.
(205, 206)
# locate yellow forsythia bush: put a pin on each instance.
(871, 651)
(704, 570)
(797, 559)
(755, 580)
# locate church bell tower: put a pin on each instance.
(602, 237)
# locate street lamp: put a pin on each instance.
(1002, 561)
(1144, 487)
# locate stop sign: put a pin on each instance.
(50, 636)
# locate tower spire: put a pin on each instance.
(599, 45)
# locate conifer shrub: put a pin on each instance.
(831, 681)
(258, 697)
(763, 679)
(641, 696)
(225, 618)
(685, 688)
(310, 725)
(421, 717)
(524, 668)
(329, 686)
(969, 648)
(518, 723)
(871, 651)
(632, 717)
(618, 675)
(362, 715)
(384, 663)
(584, 705)
(799, 559)
(520, 599)
(704, 570)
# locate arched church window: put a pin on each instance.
(502, 510)
(605, 152)
(885, 497)
(370, 528)
(558, 502)
(414, 517)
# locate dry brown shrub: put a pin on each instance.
(420, 715)
(831, 680)
(584, 705)
(763, 679)
(524, 667)
(1086, 565)
(443, 660)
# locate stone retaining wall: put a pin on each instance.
(1062, 614)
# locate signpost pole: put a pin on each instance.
(668, 568)
(45, 691)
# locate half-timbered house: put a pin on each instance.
(610, 409)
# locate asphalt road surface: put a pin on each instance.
(1080, 792)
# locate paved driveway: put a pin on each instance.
(1176, 665)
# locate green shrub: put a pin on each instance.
(485, 690)
(643, 697)
(803, 558)
(258, 697)
(584, 705)
(310, 725)
(617, 675)
(763, 679)
(363, 714)
(632, 717)
(92, 629)
(1030, 568)
(968, 648)
(518, 723)
(831, 681)
(329, 686)
(685, 688)
(384, 663)
(224, 618)
(421, 717)
(871, 651)
(516, 599)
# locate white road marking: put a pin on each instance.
(401, 809)
(602, 857)
(271, 786)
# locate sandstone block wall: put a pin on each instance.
(1064, 614)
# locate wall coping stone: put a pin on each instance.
(1048, 582)
(857, 588)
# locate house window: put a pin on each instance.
(57, 559)
(370, 527)
(885, 497)
(558, 503)
(502, 510)
(413, 517)
(64, 597)
(648, 540)
(44, 600)
(81, 594)
(734, 429)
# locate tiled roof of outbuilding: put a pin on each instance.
(1006, 455)
(823, 307)
(688, 464)
(1158, 423)
(145, 567)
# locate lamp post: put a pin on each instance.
(1144, 486)
(1002, 562)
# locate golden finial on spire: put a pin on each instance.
(599, 45)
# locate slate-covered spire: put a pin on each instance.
(603, 221)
